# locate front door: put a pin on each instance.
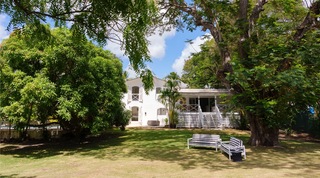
(135, 114)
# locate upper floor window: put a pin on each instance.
(135, 89)
(158, 90)
(135, 93)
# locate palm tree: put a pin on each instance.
(170, 95)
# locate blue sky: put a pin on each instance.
(168, 51)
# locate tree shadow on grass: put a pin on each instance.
(170, 146)
(15, 176)
(293, 155)
(39, 150)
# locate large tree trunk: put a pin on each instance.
(261, 133)
(25, 131)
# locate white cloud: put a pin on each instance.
(114, 45)
(157, 44)
(3, 27)
(131, 73)
(115, 48)
(192, 47)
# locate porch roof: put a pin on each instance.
(203, 92)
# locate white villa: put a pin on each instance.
(200, 108)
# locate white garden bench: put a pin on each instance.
(232, 146)
(204, 140)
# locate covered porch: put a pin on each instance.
(205, 108)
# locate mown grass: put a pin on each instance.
(156, 153)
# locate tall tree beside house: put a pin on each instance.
(125, 22)
(170, 96)
(76, 83)
(262, 49)
(199, 69)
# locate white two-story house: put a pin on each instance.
(201, 108)
(145, 107)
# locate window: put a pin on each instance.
(135, 89)
(158, 90)
(193, 101)
(162, 111)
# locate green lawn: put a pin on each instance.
(156, 153)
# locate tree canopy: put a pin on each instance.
(74, 82)
(199, 69)
(262, 47)
(126, 22)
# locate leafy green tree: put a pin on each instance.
(74, 82)
(99, 20)
(170, 96)
(261, 47)
(199, 69)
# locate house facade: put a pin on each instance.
(145, 107)
(200, 108)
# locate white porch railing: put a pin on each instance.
(188, 120)
(134, 97)
(207, 120)
(189, 108)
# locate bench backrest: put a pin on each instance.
(207, 137)
(235, 142)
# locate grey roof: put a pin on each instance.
(203, 92)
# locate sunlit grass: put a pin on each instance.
(156, 153)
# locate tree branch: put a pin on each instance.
(255, 14)
(59, 16)
(310, 21)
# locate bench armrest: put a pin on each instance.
(242, 147)
(225, 142)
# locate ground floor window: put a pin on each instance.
(162, 111)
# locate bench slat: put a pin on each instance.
(204, 140)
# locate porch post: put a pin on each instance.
(199, 113)
(215, 101)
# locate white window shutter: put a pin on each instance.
(140, 94)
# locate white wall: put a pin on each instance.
(149, 104)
